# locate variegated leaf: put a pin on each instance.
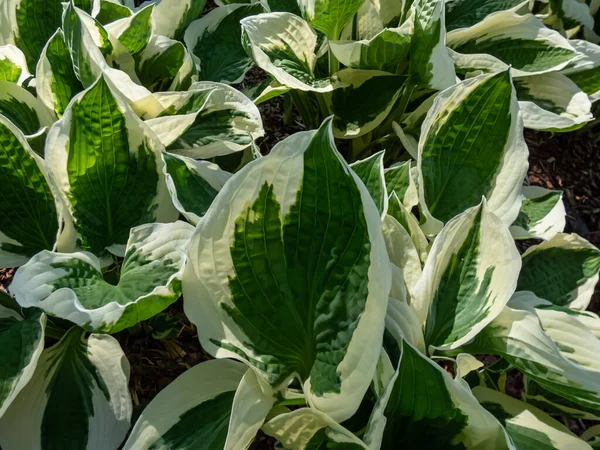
(584, 70)
(329, 16)
(211, 119)
(13, 66)
(552, 102)
(399, 179)
(563, 270)
(466, 13)
(133, 32)
(472, 146)
(269, 299)
(384, 51)
(370, 171)
(29, 219)
(567, 14)
(215, 39)
(193, 184)
(110, 10)
(77, 398)
(508, 40)
(410, 223)
(470, 274)
(422, 397)
(216, 405)
(517, 336)
(430, 62)
(284, 45)
(21, 344)
(107, 166)
(361, 100)
(172, 17)
(527, 426)
(72, 285)
(307, 428)
(542, 214)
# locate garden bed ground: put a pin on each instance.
(569, 162)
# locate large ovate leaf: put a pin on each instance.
(28, 213)
(284, 45)
(423, 407)
(21, 344)
(361, 100)
(215, 39)
(584, 70)
(56, 82)
(107, 167)
(172, 17)
(528, 427)
(13, 67)
(307, 428)
(506, 39)
(470, 274)
(383, 51)
(78, 398)
(288, 271)
(193, 184)
(329, 16)
(110, 10)
(211, 119)
(466, 13)
(216, 405)
(430, 62)
(542, 214)
(563, 270)
(400, 180)
(517, 336)
(552, 102)
(72, 285)
(472, 146)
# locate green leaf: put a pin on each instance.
(302, 277)
(399, 179)
(409, 222)
(466, 13)
(470, 274)
(216, 40)
(13, 67)
(79, 394)
(542, 214)
(528, 427)
(164, 65)
(56, 81)
(508, 40)
(308, 428)
(24, 110)
(384, 51)
(74, 286)
(28, 220)
(370, 171)
(172, 17)
(329, 16)
(563, 270)
(134, 31)
(430, 62)
(422, 407)
(111, 11)
(584, 70)
(21, 344)
(472, 146)
(361, 100)
(107, 166)
(284, 46)
(215, 405)
(517, 336)
(552, 102)
(193, 184)
(210, 119)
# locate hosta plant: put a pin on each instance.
(345, 295)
